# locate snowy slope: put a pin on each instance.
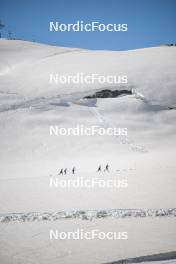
(29, 105)
(150, 71)
(30, 157)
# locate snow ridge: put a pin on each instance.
(86, 214)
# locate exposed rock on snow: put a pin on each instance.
(86, 215)
(108, 94)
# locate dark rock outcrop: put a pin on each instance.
(108, 94)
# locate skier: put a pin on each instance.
(65, 171)
(107, 167)
(73, 170)
(61, 172)
(99, 169)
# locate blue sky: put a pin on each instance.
(150, 22)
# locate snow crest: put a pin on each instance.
(86, 214)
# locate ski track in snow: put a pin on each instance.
(122, 139)
(86, 215)
(8, 69)
(61, 53)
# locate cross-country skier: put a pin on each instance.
(107, 167)
(99, 169)
(73, 170)
(65, 171)
(61, 172)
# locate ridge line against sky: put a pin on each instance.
(83, 49)
(150, 22)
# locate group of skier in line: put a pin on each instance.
(64, 171)
(105, 169)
